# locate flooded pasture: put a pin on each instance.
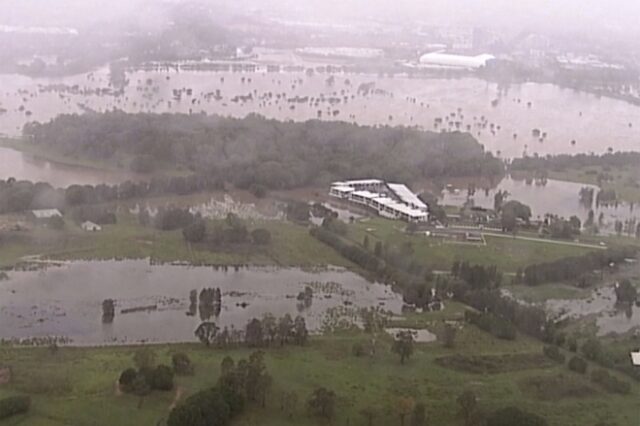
(22, 166)
(553, 197)
(152, 302)
(601, 304)
(508, 120)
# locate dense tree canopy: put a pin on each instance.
(255, 150)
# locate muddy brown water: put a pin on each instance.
(67, 300)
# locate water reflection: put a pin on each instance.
(156, 303)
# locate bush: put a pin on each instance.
(578, 365)
(205, 408)
(610, 382)
(358, 350)
(126, 379)
(552, 352)
(14, 405)
(261, 236)
(182, 364)
(162, 378)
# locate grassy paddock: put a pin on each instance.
(77, 385)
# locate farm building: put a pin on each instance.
(44, 214)
(635, 358)
(393, 201)
(90, 226)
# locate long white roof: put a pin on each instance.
(358, 182)
(406, 195)
(46, 213)
(635, 358)
(456, 61)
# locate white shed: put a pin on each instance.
(91, 227)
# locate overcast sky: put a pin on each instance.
(608, 16)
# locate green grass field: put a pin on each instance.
(507, 253)
(77, 385)
(291, 245)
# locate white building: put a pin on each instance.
(45, 213)
(635, 358)
(393, 201)
(90, 226)
(446, 60)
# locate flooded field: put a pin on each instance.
(555, 197)
(531, 118)
(601, 304)
(152, 302)
(15, 164)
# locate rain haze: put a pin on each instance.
(344, 212)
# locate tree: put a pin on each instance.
(577, 364)
(404, 407)
(261, 236)
(253, 333)
(144, 357)
(285, 329)
(182, 364)
(419, 415)
(365, 242)
(207, 332)
(108, 310)
(141, 388)
(322, 403)
(403, 345)
(300, 331)
(512, 416)
(162, 378)
(468, 403)
(205, 408)
(592, 349)
(126, 379)
(626, 293)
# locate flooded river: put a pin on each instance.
(67, 300)
(15, 164)
(502, 118)
(555, 197)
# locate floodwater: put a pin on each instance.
(601, 304)
(555, 197)
(66, 301)
(502, 118)
(21, 166)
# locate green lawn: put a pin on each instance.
(291, 245)
(508, 254)
(77, 385)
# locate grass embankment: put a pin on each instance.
(624, 180)
(291, 245)
(507, 253)
(77, 385)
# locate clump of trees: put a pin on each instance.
(245, 382)
(403, 345)
(258, 333)
(570, 268)
(288, 154)
(147, 376)
(610, 382)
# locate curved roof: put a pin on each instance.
(456, 61)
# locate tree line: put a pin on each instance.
(255, 150)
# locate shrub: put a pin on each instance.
(14, 405)
(182, 364)
(162, 378)
(552, 352)
(578, 365)
(358, 350)
(126, 379)
(512, 416)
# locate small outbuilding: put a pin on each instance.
(635, 358)
(44, 214)
(90, 226)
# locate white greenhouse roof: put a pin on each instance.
(406, 195)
